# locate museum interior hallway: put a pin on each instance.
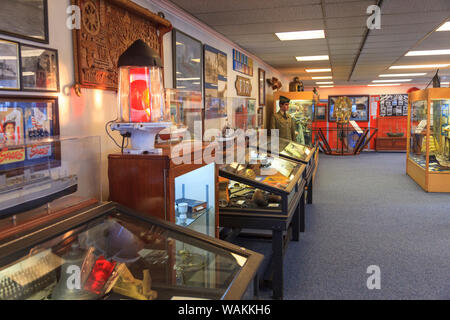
(367, 211)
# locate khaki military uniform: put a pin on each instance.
(286, 125)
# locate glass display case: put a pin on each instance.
(44, 176)
(258, 182)
(109, 252)
(428, 160)
(186, 108)
(291, 150)
(301, 109)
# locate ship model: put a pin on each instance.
(29, 191)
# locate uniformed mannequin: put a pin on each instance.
(283, 121)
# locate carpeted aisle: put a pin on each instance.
(367, 211)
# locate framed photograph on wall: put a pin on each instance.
(215, 82)
(320, 111)
(262, 87)
(40, 70)
(9, 65)
(26, 19)
(187, 61)
(360, 108)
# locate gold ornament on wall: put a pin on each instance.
(342, 109)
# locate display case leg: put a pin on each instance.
(296, 224)
(277, 249)
(256, 286)
(302, 212)
(310, 192)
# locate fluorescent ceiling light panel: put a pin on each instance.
(320, 78)
(326, 86)
(401, 75)
(420, 66)
(444, 27)
(317, 70)
(393, 80)
(325, 82)
(312, 58)
(445, 83)
(428, 53)
(301, 35)
(384, 85)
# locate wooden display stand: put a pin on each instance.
(390, 144)
(146, 183)
(430, 181)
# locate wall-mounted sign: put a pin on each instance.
(243, 86)
(242, 63)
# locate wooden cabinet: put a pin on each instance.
(151, 184)
(391, 144)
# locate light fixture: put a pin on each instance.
(325, 82)
(401, 75)
(383, 85)
(445, 83)
(392, 80)
(444, 27)
(197, 60)
(317, 70)
(301, 35)
(323, 77)
(326, 86)
(312, 58)
(428, 53)
(421, 66)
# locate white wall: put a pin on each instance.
(88, 114)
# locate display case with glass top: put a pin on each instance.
(428, 160)
(259, 182)
(107, 251)
(301, 109)
(43, 179)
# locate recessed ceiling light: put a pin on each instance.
(301, 35)
(384, 85)
(318, 70)
(421, 66)
(393, 80)
(326, 86)
(444, 27)
(312, 58)
(445, 83)
(325, 82)
(320, 78)
(401, 75)
(428, 53)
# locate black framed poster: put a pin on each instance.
(9, 65)
(26, 19)
(187, 62)
(360, 108)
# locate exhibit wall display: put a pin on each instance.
(360, 108)
(393, 105)
(215, 82)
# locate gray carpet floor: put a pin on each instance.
(367, 211)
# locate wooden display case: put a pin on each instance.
(391, 144)
(428, 138)
(148, 183)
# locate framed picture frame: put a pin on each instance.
(29, 117)
(320, 111)
(215, 82)
(261, 87)
(187, 61)
(25, 19)
(9, 65)
(360, 108)
(39, 69)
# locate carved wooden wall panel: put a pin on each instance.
(108, 28)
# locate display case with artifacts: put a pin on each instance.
(46, 178)
(301, 109)
(119, 254)
(428, 160)
(260, 182)
(263, 192)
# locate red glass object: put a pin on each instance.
(140, 95)
(100, 274)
